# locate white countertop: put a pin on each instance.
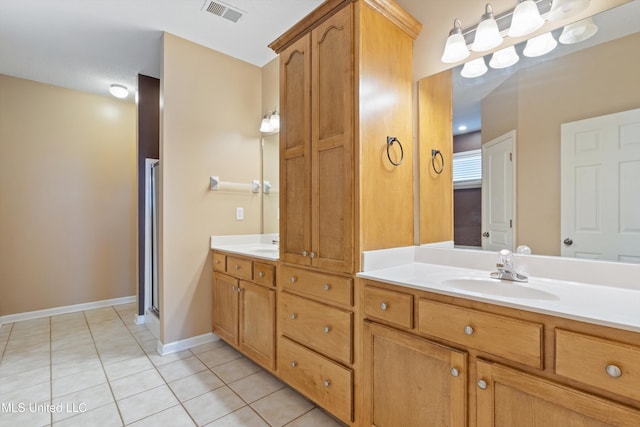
(602, 304)
(254, 245)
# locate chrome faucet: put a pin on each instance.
(506, 270)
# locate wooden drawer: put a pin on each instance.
(325, 382)
(323, 328)
(328, 287)
(219, 262)
(599, 362)
(240, 267)
(264, 274)
(389, 306)
(513, 339)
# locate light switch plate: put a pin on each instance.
(239, 214)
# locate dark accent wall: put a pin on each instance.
(467, 202)
(148, 148)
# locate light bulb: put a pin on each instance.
(455, 50)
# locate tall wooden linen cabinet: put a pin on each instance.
(345, 92)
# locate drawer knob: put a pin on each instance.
(217, 261)
(294, 364)
(468, 330)
(614, 371)
(260, 274)
(326, 287)
(304, 253)
(326, 383)
(237, 267)
(326, 329)
(384, 306)
(312, 254)
(294, 316)
(293, 279)
(482, 384)
(455, 372)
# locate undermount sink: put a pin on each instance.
(502, 288)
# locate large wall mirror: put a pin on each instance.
(571, 118)
(271, 183)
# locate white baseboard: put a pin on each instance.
(176, 346)
(138, 319)
(10, 318)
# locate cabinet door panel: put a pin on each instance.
(225, 307)
(332, 146)
(513, 398)
(257, 323)
(295, 156)
(408, 381)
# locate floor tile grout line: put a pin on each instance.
(6, 344)
(161, 376)
(102, 365)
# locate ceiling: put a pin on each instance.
(88, 44)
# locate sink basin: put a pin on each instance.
(503, 288)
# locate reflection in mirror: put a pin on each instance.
(271, 180)
(536, 101)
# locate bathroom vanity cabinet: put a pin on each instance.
(435, 360)
(345, 90)
(244, 305)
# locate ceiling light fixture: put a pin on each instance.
(455, 50)
(578, 31)
(487, 34)
(526, 19)
(119, 91)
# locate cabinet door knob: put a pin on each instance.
(326, 329)
(293, 279)
(455, 372)
(384, 306)
(312, 254)
(326, 287)
(239, 289)
(482, 384)
(613, 371)
(294, 316)
(294, 364)
(260, 274)
(237, 267)
(468, 330)
(217, 261)
(326, 383)
(304, 253)
(233, 288)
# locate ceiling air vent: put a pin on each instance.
(223, 10)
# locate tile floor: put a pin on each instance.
(98, 368)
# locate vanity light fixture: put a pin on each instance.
(526, 19)
(119, 91)
(540, 45)
(504, 58)
(487, 34)
(455, 50)
(274, 121)
(564, 9)
(265, 125)
(474, 68)
(578, 31)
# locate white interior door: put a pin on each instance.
(498, 186)
(601, 187)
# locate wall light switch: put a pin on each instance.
(239, 214)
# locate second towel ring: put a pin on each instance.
(435, 153)
(390, 141)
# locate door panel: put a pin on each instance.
(601, 187)
(257, 323)
(225, 307)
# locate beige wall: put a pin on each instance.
(536, 101)
(271, 150)
(67, 197)
(209, 126)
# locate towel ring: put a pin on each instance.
(390, 141)
(435, 153)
